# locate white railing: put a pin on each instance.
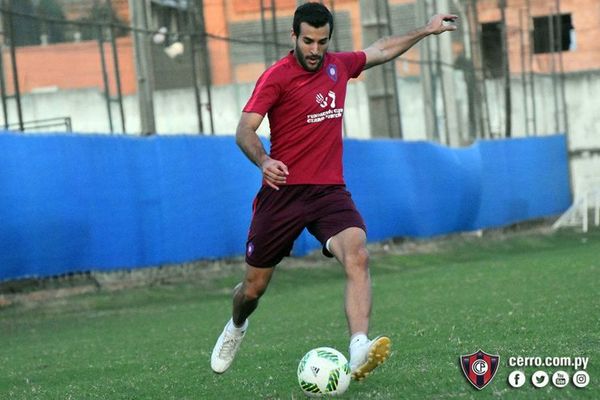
(587, 196)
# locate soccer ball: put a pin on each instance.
(323, 372)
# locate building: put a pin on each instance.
(237, 30)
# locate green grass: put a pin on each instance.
(530, 295)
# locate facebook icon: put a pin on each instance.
(516, 379)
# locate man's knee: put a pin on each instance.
(361, 256)
(350, 243)
(253, 292)
(254, 287)
(357, 261)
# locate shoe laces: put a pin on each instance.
(230, 344)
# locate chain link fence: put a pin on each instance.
(188, 66)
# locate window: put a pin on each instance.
(552, 33)
(172, 18)
(172, 73)
(491, 49)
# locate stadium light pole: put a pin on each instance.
(193, 55)
(105, 78)
(15, 70)
(561, 69)
(138, 10)
(506, 69)
(530, 66)
(2, 81)
(427, 77)
(206, 65)
(523, 74)
(446, 63)
(117, 69)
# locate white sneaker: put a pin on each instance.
(226, 348)
(365, 357)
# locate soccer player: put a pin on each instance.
(303, 186)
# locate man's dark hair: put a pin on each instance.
(314, 14)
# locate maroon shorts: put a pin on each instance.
(279, 216)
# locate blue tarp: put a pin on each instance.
(94, 202)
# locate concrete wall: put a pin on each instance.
(176, 110)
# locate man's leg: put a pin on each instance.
(349, 247)
(245, 300)
(247, 293)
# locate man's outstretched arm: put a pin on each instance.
(390, 47)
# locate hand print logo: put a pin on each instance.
(332, 96)
(324, 100)
(321, 100)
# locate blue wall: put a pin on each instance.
(77, 202)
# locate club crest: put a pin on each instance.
(479, 368)
(332, 72)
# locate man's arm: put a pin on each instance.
(274, 172)
(390, 47)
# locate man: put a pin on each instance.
(303, 186)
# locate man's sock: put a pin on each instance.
(231, 328)
(358, 338)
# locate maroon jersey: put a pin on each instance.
(305, 114)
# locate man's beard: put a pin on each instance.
(302, 59)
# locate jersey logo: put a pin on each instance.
(324, 101)
(332, 72)
(328, 106)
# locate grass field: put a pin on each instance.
(528, 295)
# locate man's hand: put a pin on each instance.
(389, 47)
(274, 172)
(441, 23)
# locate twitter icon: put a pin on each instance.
(540, 379)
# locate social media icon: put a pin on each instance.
(540, 379)
(516, 379)
(560, 379)
(581, 379)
